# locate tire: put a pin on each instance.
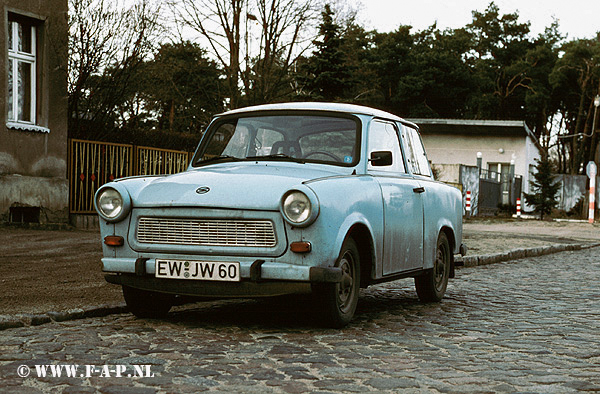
(147, 304)
(337, 301)
(431, 286)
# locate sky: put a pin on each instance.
(577, 18)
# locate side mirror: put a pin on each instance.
(381, 158)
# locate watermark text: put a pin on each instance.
(85, 371)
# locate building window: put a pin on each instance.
(21, 72)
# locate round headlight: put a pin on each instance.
(297, 207)
(109, 203)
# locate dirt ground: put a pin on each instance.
(43, 271)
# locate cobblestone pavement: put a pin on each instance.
(527, 326)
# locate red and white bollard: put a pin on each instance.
(592, 170)
(518, 207)
(468, 203)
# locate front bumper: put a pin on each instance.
(251, 270)
(258, 278)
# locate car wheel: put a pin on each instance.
(431, 286)
(147, 304)
(338, 301)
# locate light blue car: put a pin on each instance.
(285, 199)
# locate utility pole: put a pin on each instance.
(596, 105)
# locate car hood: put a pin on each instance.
(248, 185)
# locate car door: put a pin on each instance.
(402, 201)
(433, 203)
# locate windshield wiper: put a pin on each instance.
(277, 156)
(218, 158)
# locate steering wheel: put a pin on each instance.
(334, 157)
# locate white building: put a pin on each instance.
(451, 142)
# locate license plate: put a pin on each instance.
(199, 270)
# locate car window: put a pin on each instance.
(238, 142)
(315, 138)
(416, 157)
(221, 138)
(383, 136)
(265, 140)
(329, 145)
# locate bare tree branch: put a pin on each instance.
(253, 74)
(106, 37)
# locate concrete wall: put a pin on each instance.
(47, 193)
(447, 172)
(33, 164)
(469, 178)
(574, 187)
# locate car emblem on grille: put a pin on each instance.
(203, 190)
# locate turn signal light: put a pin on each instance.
(301, 247)
(114, 240)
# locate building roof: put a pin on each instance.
(474, 127)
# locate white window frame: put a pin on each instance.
(415, 152)
(389, 142)
(14, 58)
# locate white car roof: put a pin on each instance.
(317, 106)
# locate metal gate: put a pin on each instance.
(490, 192)
(93, 163)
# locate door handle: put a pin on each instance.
(419, 190)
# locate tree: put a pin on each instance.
(357, 45)
(326, 74)
(499, 44)
(576, 81)
(438, 82)
(181, 88)
(389, 58)
(544, 188)
(108, 41)
(254, 73)
(541, 103)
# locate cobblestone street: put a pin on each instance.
(526, 326)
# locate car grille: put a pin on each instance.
(207, 232)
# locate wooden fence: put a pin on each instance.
(93, 163)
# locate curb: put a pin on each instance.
(28, 320)
(515, 254)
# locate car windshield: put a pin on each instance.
(301, 138)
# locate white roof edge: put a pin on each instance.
(470, 122)
(319, 106)
(480, 122)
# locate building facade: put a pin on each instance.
(33, 111)
(503, 146)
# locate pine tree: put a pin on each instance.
(326, 75)
(544, 188)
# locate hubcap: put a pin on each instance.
(440, 267)
(346, 286)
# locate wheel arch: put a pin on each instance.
(452, 241)
(364, 242)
